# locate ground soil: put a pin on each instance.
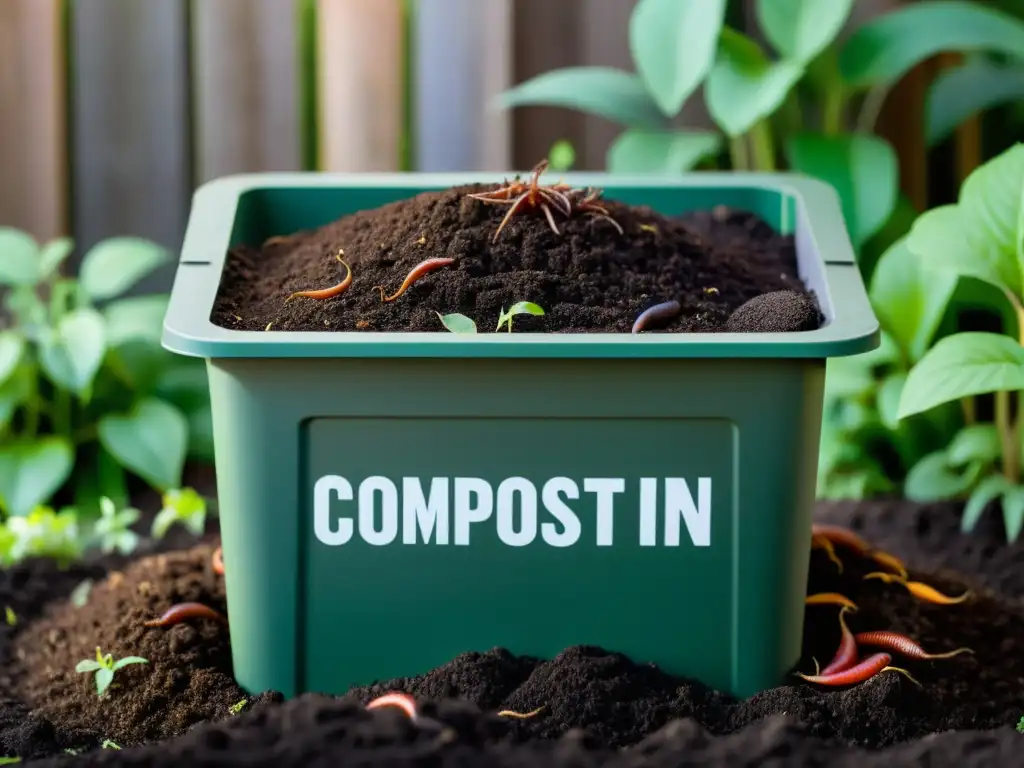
(588, 278)
(599, 707)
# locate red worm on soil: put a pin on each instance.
(403, 701)
(417, 272)
(217, 561)
(846, 655)
(858, 673)
(903, 645)
(183, 612)
(664, 311)
(830, 598)
(821, 542)
(327, 293)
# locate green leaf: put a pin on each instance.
(14, 392)
(1013, 513)
(113, 266)
(743, 86)
(956, 95)
(10, 760)
(975, 442)
(562, 155)
(137, 317)
(987, 491)
(19, 258)
(29, 310)
(104, 677)
(910, 298)
(642, 150)
(457, 323)
(525, 308)
(863, 169)
(606, 92)
(673, 43)
(941, 237)
(72, 354)
(964, 364)
(886, 48)
(53, 255)
(151, 441)
(12, 345)
(129, 660)
(801, 29)
(889, 399)
(88, 665)
(31, 472)
(932, 479)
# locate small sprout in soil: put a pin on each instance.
(334, 290)
(238, 706)
(1020, 725)
(521, 308)
(422, 240)
(520, 715)
(108, 744)
(457, 323)
(184, 612)
(114, 531)
(80, 594)
(183, 506)
(529, 197)
(659, 312)
(9, 760)
(421, 269)
(105, 667)
(649, 228)
(10, 616)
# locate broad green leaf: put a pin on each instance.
(1013, 513)
(958, 94)
(129, 660)
(640, 150)
(104, 677)
(932, 479)
(113, 266)
(910, 298)
(941, 237)
(863, 169)
(606, 92)
(53, 255)
(673, 43)
(801, 29)
(992, 201)
(743, 86)
(987, 491)
(12, 345)
(525, 308)
(889, 398)
(72, 354)
(964, 364)
(137, 317)
(88, 665)
(151, 441)
(32, 471)
(19, 258)
(457, 323)
(975, 442)
(26, 306)
(886, 48)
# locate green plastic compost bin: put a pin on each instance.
(391, 500)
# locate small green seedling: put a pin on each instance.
(238, 706)
(108, 744)
(1020, 725)
(10, 616)
(183, 506)
(80, 594)
(457, 323)
(114, 531)
(522, 308)
(105, 667)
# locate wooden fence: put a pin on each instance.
(113, 111)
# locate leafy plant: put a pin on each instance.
(238, 706)
(108, 744)
(184, 507)
(114, 528)
(520, 308)
(980, 237)
(43, 533)
(87, 394)
(105, 667)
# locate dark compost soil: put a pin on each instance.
(599, 708)
(588, 279)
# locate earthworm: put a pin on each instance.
(519, 715)
(217, 561)
(846, 655)
(183, 612)
(887, 560)
(903, 645)
(664, 311)
(403, 701)
(858, 673)
(920, 590)
(417, 272)
(327, 293)
(821, 542)
(830, 598)
(843, 537)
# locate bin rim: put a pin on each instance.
(850, 326)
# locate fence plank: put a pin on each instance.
(463, 59)
(245, 80)
(33, 138)
(360, 78)
(130, 120)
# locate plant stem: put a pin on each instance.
(872, 108)
(763, 145)
(739, 154)
(967, 404)
(832, 109)
(1007, 435)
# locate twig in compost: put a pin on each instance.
(415, 274)
(176, 614)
